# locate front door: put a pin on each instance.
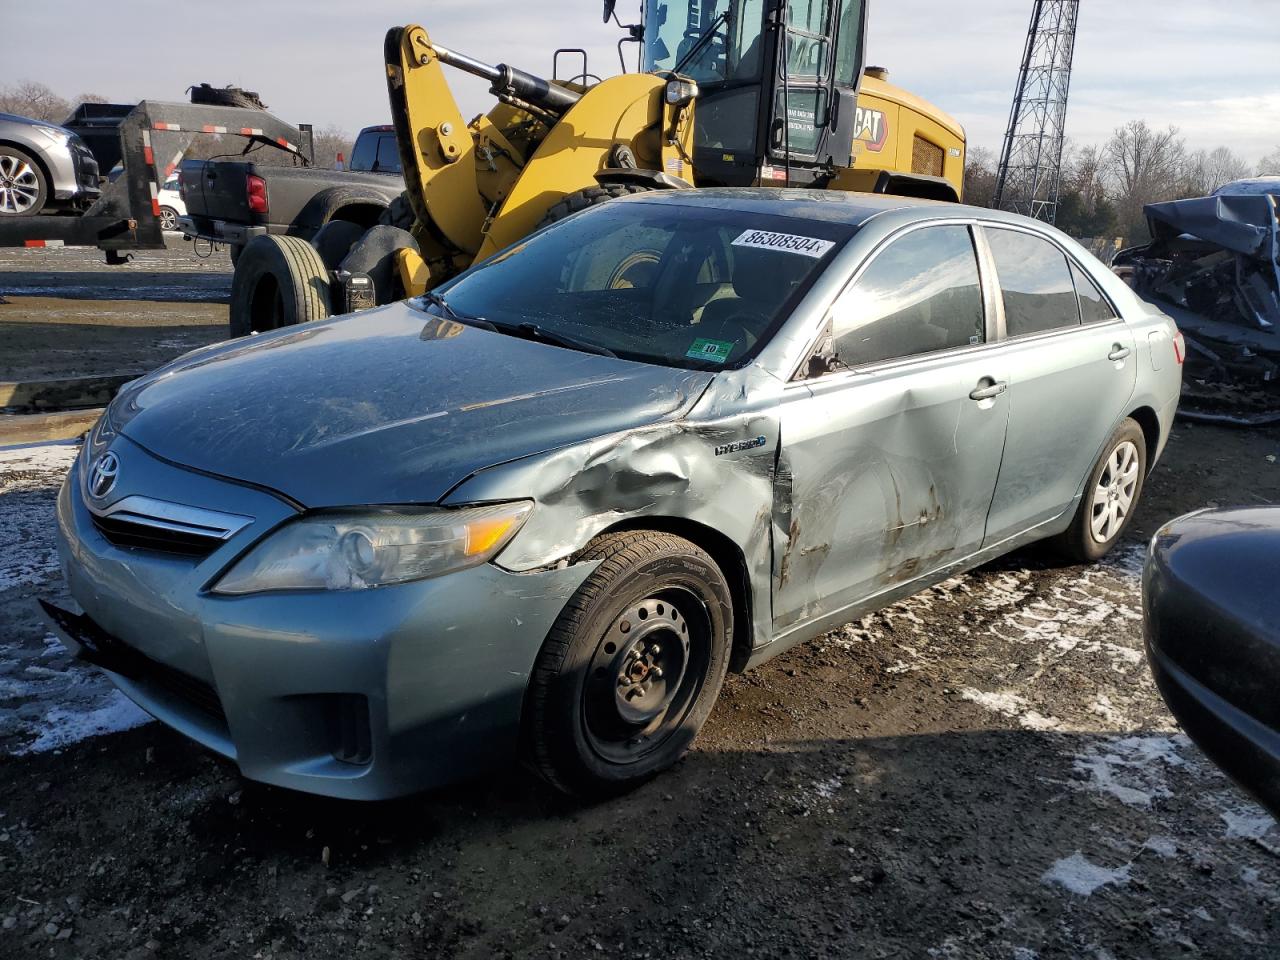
(889, 463)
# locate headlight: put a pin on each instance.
(54, 134)
(681, 92)
(347, 551)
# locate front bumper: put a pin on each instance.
(363, 694)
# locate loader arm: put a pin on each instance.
(475, 188)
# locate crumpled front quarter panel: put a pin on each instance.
(689, 470)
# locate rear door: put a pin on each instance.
(892, 458)
(1072, 372)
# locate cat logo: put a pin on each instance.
(872, 127)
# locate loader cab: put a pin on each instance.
(778, 83)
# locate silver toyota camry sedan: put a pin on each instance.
(539, 513)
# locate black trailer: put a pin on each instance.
(148, 141)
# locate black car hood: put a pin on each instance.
(389, 406)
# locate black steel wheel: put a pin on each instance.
(632, 668)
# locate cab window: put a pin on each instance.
(1035, 278)
(1093, 305)
(920, 295)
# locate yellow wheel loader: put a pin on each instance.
(727, 93)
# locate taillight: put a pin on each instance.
(1179, 348)
(256, 188)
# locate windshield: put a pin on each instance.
(683, 286)
(717, 40)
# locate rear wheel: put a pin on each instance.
(590, 197)
(279, 281)
(168, 219)
(1111, 495)
(631, 669)
(23, 188)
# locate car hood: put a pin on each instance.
(389, 406)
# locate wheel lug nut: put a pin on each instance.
(657, 672)
(655, 650)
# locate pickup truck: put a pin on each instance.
(233, 201)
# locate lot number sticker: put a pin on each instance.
(716, 351)
(764, 240)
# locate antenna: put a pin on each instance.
(1030, 173)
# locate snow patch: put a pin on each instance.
(1166, 847)
(1013, 706)
(64, 727)
(1082, 877)
(1249, 824)
(1130, 769)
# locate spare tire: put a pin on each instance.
(226, 97)
(279, 281)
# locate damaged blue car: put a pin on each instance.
(540, 512)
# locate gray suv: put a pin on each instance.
(41, 166)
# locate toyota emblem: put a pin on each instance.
(102, 478)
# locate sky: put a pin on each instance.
(1213, 70)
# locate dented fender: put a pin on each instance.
(712, 469)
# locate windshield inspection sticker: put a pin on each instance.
(716, 351)
(764, 240)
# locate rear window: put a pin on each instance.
(376, 153)
(1039, 294)
(684, 286)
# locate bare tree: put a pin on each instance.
(1270, 164)
(1204, 172)
(35, 100)
(980, 177)
(328, 144)
(1144, 165)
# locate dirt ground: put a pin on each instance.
(983, 770)
(65, 313)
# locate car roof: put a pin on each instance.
(835, 206)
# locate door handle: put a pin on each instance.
(988, 390)
(1119, 353)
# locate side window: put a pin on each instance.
(1038, 292)
(1093, 305)
(920, 294)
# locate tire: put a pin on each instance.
(375, 254)
(1107, 496)
(168, 219)
(399, 213)
(210, 95)
(590, 197)
(279, 281)
(334, 241)
(24, 189)
(602, 712)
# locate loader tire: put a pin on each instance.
(399, 213)
(279, 281)
(590, 197)
(334, 241)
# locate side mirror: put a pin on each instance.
(608, 9)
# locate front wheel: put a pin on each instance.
(168, 219)
(631, 669)
(23, 188)
(1110, 498)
